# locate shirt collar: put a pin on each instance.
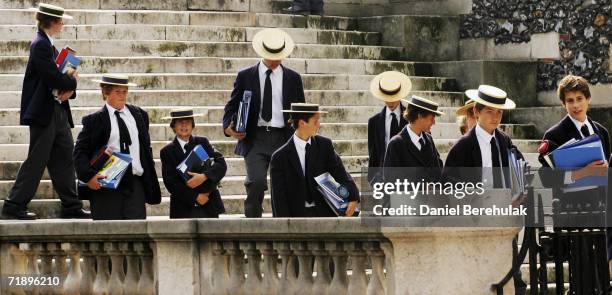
(578, 123)
(483, 135)
(300, 143)
(112, 110)
(50, 39)
(263, 68)
(413, 136)
(181, 142)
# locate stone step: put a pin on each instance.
(196, 18)
(235, 166)
(119, 48)
(551, 115)
(145, 98)
(214, 114)
(337, 131)
(234, 206)
(197, 81)
(190, 33)
(95, 64)
(357, 147)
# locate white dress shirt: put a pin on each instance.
(484, 142)
(568, 174)
(276, 77)
(300, 148)
(388, 118)
(113, 140)
(415, 138)
(182, 143)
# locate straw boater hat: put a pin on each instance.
(51, 10)
(181, 113)
(491, 96)
(273, 44)
(462, 111)
(304, 108)
(390, 86)
(119, 80)
(425, 104)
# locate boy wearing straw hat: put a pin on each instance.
(198, 197)
(117, 127)
(390, 87)
(50, 120)
(485, 145)
(273, 88)
(303, 157)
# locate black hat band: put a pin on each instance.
(50, 10)
(490, 99)
(391, 92)
(114, 80)
(273, 50)
(186, 113)
(424, 104)
(305, 108)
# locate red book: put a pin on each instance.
(62, 55)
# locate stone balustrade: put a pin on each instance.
(252, 256)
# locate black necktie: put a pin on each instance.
(422, 142)
(394, 128)
(585, 130)
(266, 112)
(497, 176)
(124, 135)
(306, 174)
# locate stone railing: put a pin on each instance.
(250, 256)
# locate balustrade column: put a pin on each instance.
(270, 281)
(322, 263)
(377, 259)
(89, 269)
(339, 283)
(146, 282)
(253, 283)
(46, 268)
(100, 286)
(236, 268)
(130, 283)
(60, 266)
(288, 283)
(219, 276)
(305, 262)
(72, 285)
(358, 282)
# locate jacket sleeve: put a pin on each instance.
(373, 160)
(300, 89)
(231, 108)
(217, 170)
(174, 182)
(83, 151)
(42, 59)
(338, 172)
(280, 188)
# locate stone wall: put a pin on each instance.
(583, 27)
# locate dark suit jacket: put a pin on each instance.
(558, 135)
(183, 198)
(248, 79)
(94, 136)
(376, 139)
(289, 184)
(401, 152)
(466, 153)
(41, 77)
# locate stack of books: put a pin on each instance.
(335, 195)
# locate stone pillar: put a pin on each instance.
(177, 266)
(146, 283)
(438, 260)
(72, 285)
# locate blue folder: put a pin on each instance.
(578, 155)
(243, 112)
(70, 61)
(193, 162)
(114, 183)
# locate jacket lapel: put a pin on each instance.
(106, 124)
(178, 150)
(256, 97)
(476, 156)
(380, 128)
(503, 147)
(410, 146)
(293, 157)
(286, 87)
(313, 156)
(571, 129)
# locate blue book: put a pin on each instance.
(243, 112)
(194, 162)
(70, 62)
(578, 155)
(114, 169)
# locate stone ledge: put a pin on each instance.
(544, 45)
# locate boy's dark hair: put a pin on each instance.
(173, 122)
(44, 21)
(412, 113)
(294, 121)
(572, 83)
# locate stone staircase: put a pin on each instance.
(184, 56)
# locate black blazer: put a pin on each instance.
(94, 136)
(376, 139)
(558, 135)
(401, 152)
(248, 79)
(466, 153)
(183, 198)
(288, 182)
(41, 77)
